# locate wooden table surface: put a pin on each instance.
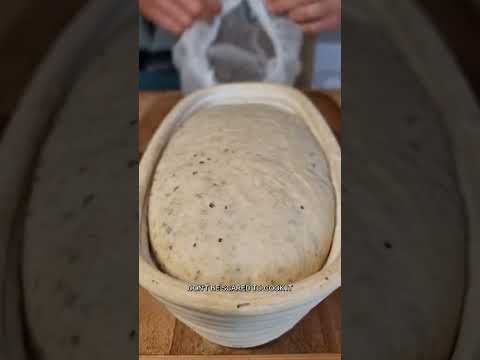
(161, 336)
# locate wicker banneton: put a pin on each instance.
(243, 319)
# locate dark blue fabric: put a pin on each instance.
(157, 72)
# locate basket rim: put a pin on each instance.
(312, 289)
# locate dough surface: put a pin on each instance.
(242, 194)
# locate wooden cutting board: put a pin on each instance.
(161, 336)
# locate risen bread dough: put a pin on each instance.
(242, 194)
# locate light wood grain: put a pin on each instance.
(245, 357)
(156, 326)
(317, 335)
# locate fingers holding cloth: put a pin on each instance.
(177, 16)
(313, 16)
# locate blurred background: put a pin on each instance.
(27, 30)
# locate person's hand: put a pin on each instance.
(313, 16)
(176, 16)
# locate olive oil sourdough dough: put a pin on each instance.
(242, 194)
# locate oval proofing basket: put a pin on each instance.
(240, 319)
